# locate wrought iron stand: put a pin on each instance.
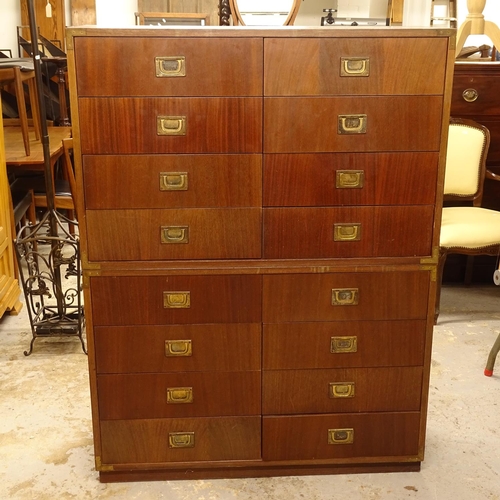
(53, 311)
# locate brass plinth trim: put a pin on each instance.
(173, 181)
(170, 66)
(352, 124)
(172, 235)
(347, 232)
(178, 348)
(354, 66)
(176, 300)
(433, 259)
(345, 297)
(181, 439)
(99, 467)
(349, 179)
(470, 95)
(341, 390)
(339, 345)
(179, 395)
(171, 125)
(340, 436)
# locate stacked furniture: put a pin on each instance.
(9, 285)
(475, 97)
(259, 216)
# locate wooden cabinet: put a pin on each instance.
(259, 246)
(9, 286)
(475, 96)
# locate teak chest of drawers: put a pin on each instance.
(259, 220)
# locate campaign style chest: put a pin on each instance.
(259, 215)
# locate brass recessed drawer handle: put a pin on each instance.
(172, 235)
(178, 348)
(341, 390)
(349, 179)
(352, 124)
(340, 436)
(470, 95)
(345, 297)
(181, 439)
(179, 395)
(339, 345)
(171, 125)
(173, 181)
(170, 66)
(176, 300)
(354, 66)
(347, 232)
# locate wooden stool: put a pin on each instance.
(13, 71)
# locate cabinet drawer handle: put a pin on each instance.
(172, 235)
(176, 300)
(178, 348)
(347, 232)
(339, 345)
(181, 439)
(350, 179)
(470, 95)
(340, 436)
(345, 297)
(171, 125)
(170, 66)
(173, 181)
(352, 124)
(354, 66)
(341, 390)
(179, 395)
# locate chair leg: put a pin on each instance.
(34, 108)
(469, 269)
(71, 215)
(21, 107)
(490, 364)
(439, 279)
(32, 216)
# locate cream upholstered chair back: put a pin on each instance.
(468, 143)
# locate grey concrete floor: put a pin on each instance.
(46, 447)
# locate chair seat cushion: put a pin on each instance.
(469, 227)
(37, 184)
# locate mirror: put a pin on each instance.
(264, 12)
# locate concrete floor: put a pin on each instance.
(46, 447)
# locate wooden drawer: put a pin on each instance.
(179, 348)
(186, 394)
(180, 440)
(353, 66)
(373, 435)
(329, 179)
(342, 344)
(487, 100)
(341, 390)
(160, 300)
(207, 125)
(292, 233)
(173, 181)
(133, 66)
(174, 234)
(356, 295)
(312, 124)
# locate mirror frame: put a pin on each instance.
(238, 19)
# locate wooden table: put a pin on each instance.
(14, 147)
(16, 157)
(18, 77)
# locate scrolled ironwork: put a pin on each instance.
(55, 309)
